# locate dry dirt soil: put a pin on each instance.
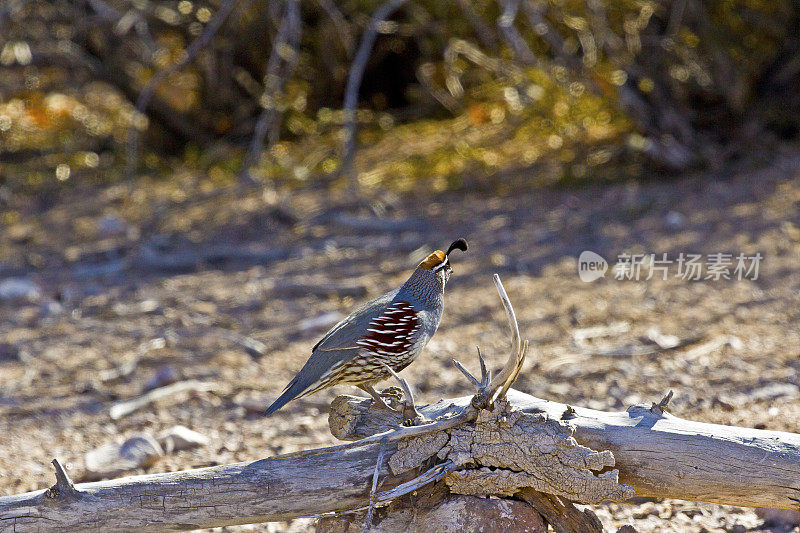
(142, 286)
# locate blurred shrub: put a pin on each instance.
(454, 92)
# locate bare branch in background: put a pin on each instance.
(338, 19)
(4, 9)
(675, 18)
(425, 74)
(605, 37)
(539, 24)
(354, 84)
(514, 39)
(202, 40)
(284, 54)
(482, 30)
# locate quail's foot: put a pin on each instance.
(412, 417)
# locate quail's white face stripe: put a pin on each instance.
(441, 265)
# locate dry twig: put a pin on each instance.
(354, 83)
(149, 90)
(284, 52)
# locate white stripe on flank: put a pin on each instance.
(378, 343)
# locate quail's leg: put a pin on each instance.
(411, 417)
(376, 397)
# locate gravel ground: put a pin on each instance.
(135, 291)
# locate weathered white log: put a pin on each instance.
(273, 489)
(658, 454)
(497, 452)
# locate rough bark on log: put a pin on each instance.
(658, 454)
(273, 489)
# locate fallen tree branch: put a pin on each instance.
(274, 489)
(123, 408)
(514, 39)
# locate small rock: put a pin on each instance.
(12, 289)
(320, 321)
(674, 220)
(665, 342)
(50, 308)
(783, 517)
(735, 342)
(113, 459)
(21, 233)
(164, 376)
(627, 528)
(111, 225)
(179, 438)
(144, 307)
(454, 513)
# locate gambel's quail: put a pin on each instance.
(390, 330)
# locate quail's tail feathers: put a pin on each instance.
(292, 391)
(308, 379)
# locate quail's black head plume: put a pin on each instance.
(458, 244)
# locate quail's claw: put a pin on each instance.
(411, 417)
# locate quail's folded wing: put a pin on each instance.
(340, 344)
(346, 334)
